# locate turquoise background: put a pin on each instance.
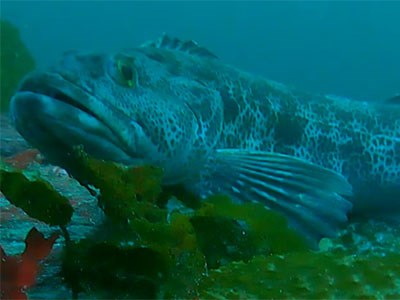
(350, 49)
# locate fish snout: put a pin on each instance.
(82, 65)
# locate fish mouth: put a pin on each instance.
(48, 84)
(54, 114)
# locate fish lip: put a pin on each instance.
(57, 87)
(30, 84)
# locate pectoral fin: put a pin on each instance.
(309, 195)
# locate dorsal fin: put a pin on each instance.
(394, 100)
(191, 47)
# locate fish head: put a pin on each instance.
(123, 107)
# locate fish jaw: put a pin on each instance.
(54, 114)
(47, 113)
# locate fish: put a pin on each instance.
(316, 159)
(395, 99)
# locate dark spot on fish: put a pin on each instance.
(231, 141)
(174, 67)
(171, 122)
(260, 90)
(249, 121)
(345, 116)
(397, 152)
(205, 74)
(93, 63)
(353, 146)
(231, 108)
(288, 130)
(326, 144)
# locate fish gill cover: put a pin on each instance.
(15, 62)
(216, 249)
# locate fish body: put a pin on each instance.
(217, 129)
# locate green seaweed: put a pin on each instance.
(128, 197)
(311, 275)
(267, 229)
(111, 271)
(15, 62)
(35, 196)
(217, 249)
(230, 242)
(125, 193)
(244, 230)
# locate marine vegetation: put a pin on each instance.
(18, 272)
(16, 61)
(26, 191)
(150, 247)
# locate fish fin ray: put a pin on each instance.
(310, 196)
(172, 43)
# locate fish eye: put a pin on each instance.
(126, 71)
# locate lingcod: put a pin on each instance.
(212, 128)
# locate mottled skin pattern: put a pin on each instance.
(357, 139)
(178, 108)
